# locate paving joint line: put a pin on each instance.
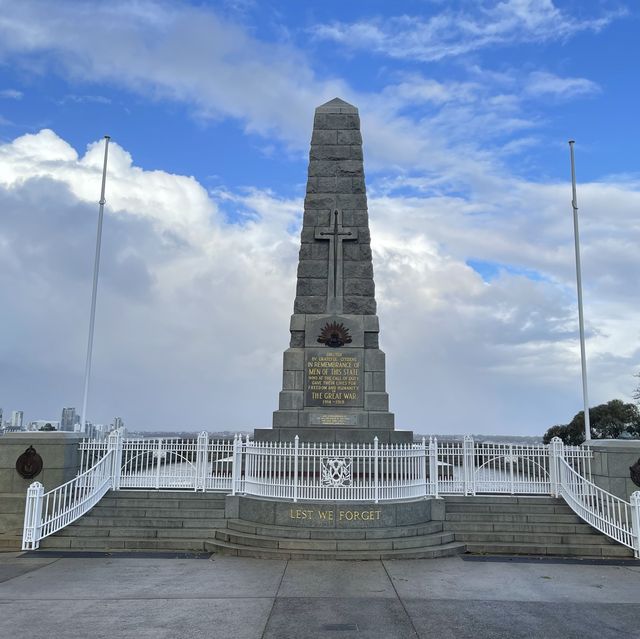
(33, 569)
(406, 612)
(273, 605)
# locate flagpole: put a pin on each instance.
(583, 357)
(96, 268)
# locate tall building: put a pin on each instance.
(118, 423)
(1, 422)
(16, 418)
(68, 419)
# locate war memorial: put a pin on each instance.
(333, 479)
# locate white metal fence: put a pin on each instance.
(332, 472)
(46, 513)
(615, 517)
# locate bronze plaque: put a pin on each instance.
(333, 377)
(333, 419)
(29, 464)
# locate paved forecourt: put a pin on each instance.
(63, 597)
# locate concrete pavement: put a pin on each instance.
(226, 597)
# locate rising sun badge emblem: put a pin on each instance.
(334, 335)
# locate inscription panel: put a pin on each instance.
(333, 377)
(333, 419)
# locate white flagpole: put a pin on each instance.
(583, 357)
(96, 268)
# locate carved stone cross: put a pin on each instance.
(335, 233)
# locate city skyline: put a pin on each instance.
(466, 113)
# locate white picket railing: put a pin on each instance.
(46, 513)
(332, 472)
(615, 517)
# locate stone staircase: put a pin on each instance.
(144, 520)
(525, 526)
(249, 539)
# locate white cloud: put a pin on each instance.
(11, 94)
(193, 311)
(455, 32)
(544, 84)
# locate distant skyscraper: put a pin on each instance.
(1, 423)
(118, 423)
(68, 419)
(16, 418)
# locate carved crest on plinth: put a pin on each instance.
(634, 473)
(334, 335)
(336, 472)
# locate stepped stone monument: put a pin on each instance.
(333, 387)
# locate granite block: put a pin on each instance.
(343, 185)
(333, 152)
(371, 323)
(352, 201)
(350, 136)
(326, 168)
(358, 270)
(339, 121)
(319, 201)
(297, 339)
(285, 419)
(387, 420)
(293, 380)
(293, 359)
(343, 168)
(371, 340)
(362, 287)
(311, 286)
(314, 269)
(359, 305)
(297, 322)
(325, 136)
(374, 360)
(310, 304)
(291, 400)
(374, 401)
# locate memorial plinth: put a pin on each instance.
(333, 387)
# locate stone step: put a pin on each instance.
(506, 527)
(172, 523)
(290, 532)
(122, 543)
(508, 508)
(159, 513)
(138, 533)
(432, 552)
(542, 500)
(551, 518)
(586, 550)
(532, 538)
(165, 494)
(160, 502)
(422, 541)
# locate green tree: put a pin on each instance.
(47, 427)
(608, 421)
(636, 392)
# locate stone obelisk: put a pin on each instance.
(333, 387)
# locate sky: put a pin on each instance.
(466, 110)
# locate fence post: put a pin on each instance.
(114, 446)
(296, 443)
(33, 517)
(433, 465)
(635, 518)
(511, 464)
(423, 466)
(158, 459)
(468, 469)
(555, 453)
(376, 481)
(234, 465)
(200, 479)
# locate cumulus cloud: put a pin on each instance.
(193, 310)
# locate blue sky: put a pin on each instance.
(466, 111)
